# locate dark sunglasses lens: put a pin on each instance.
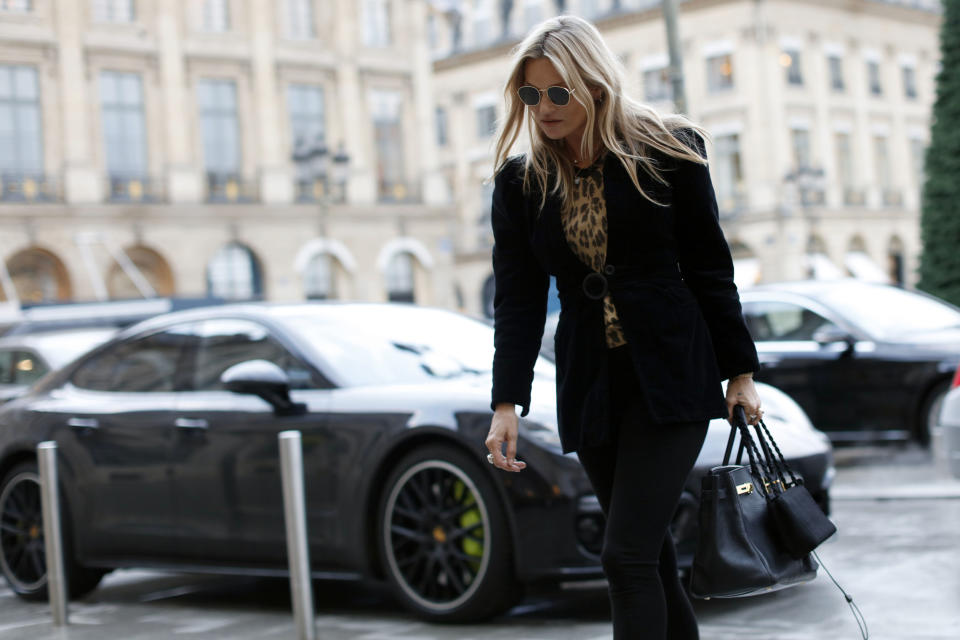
(529, 95)
(558, 96)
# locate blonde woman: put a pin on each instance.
(616, 201)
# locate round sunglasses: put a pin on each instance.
(530, 95)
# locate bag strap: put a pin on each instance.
(857, 614)
(794, 478)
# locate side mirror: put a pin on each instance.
(830, 333)
(264, 379)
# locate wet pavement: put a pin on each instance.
(897, 553)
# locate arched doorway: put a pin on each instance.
(151, 265)
(895, 266)
(235, 273)
(38, 275)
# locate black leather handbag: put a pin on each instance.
(740, 551)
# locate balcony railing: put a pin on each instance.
(134, 189)
(35, 187)
(318, 190)
(892, 197)
(731, 205)
(853, 196)
(231, 188)
(398, 192)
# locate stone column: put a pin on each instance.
(276, 174)
(355, 126)
(184, 178)
(431, 183)
(83, 181)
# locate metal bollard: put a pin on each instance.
(53, 541)
(295, 517)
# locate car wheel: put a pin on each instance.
(929, 417)
(444, 539)
(22, 556)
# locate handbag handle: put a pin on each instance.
(758, 469)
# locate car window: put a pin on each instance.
(19, 366)
(150, 363)
(226, 342)
(769, 321)
(903, 312)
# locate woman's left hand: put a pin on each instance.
(742, 391)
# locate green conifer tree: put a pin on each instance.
(940, 212)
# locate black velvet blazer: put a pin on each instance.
(669, 273)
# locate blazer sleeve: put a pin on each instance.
(520, 296)
(706, 263)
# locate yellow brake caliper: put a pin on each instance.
(469, 518)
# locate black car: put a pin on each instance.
(167, 438)
(865, 361)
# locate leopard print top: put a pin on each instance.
(585, 227)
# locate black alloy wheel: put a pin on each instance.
(22, 556)
(443, 537)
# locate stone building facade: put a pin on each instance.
(819, 115)
(243, 149)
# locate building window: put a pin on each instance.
(124, 129)
(836, 72)
(720, 72)
(318, 281)
(532, 13)
(113, 10)
(20, 124)
(909, 82)
(299, 19)
(376, 23)
(800, 139)
(216, 15)
(482, 22)
(387, 111)
(400, 277)
(486, 120)
(306, 107)
(219, 126)
(729, 174)
(234, 274)
(656, 85)
(16, 6)
(873, 77)
(790, 60)
(918, 150)
(845, 167)
(441, 118)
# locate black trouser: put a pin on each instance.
(638, 480)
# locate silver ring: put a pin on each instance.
(490, 458)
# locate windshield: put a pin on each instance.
(888, 312)
(399, 345)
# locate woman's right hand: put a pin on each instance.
(503, 429)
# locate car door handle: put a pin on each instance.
(83, 423)
(191, 423)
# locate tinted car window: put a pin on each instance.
(144, 364)
(18, 366)
(227, 342)
(768, 321)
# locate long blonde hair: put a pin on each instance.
(626, 127)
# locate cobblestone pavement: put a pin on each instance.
(897, 552)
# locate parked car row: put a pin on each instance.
(167, 434)
(865, 361)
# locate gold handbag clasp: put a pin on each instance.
(746, 487)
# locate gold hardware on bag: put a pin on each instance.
(746, 487)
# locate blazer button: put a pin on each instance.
(609, 269)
